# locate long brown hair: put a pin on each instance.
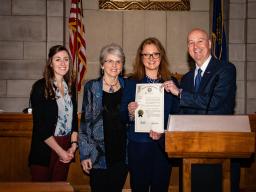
(138, 66)
(49, 73)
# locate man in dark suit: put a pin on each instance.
(209, 88)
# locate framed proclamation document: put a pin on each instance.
(150, 112)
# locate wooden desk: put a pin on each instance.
(208, 148)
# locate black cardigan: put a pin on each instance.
(45, 116)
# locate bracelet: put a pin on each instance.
(179, 94)
(131, 117)
(75, 143)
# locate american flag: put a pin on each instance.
(77, 43)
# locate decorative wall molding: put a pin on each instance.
(168, 5)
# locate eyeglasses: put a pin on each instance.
(112, 62)
(155, 55)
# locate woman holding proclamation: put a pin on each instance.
(148, 163)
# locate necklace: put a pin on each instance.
(111, 87)
(150, 80)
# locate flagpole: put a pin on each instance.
(81, 28)
(76, 53)
(82, 13)
(64, 23)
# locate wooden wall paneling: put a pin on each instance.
(15, 137)
(248, 166)
(36, 187)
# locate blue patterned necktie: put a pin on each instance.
(198, 79)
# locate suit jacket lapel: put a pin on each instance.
(208, 72)
(191, 80)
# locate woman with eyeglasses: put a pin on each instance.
(102, 136)
(148, 164)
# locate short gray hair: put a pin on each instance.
(114, 49)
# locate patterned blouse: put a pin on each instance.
(65, 111)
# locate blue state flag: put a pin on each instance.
(219, 44)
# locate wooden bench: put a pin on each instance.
(35, 187)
